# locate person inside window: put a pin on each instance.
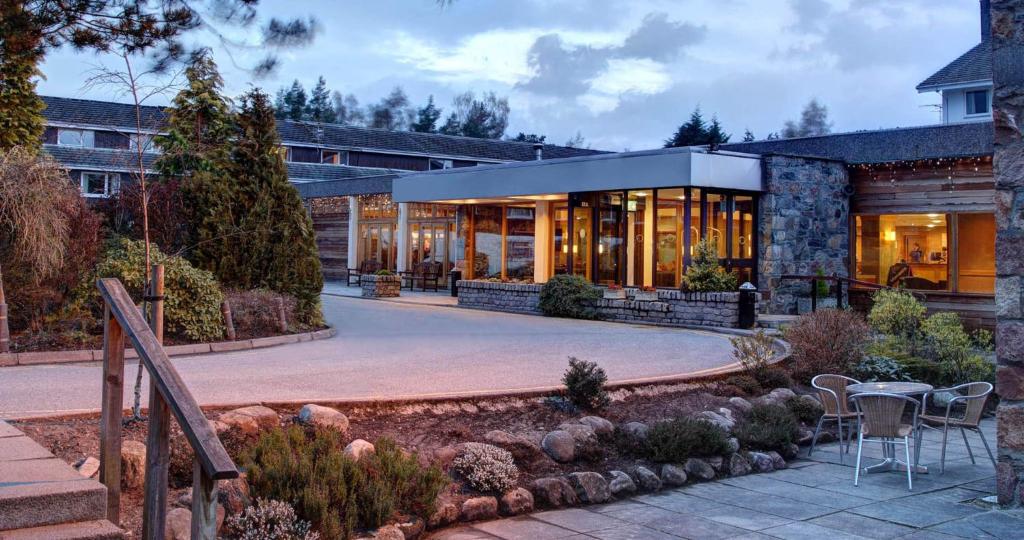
(897, 272)
(917, 254)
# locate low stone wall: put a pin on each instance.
(375, 286)
(510, 297)
(672, 308)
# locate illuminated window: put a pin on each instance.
(904, 250)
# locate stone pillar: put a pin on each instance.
(1008, 114)
(353, 232)
(542, 237)
(402, 238)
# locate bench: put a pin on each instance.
(369, 266)
(428, 274)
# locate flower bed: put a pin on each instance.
(666, 307)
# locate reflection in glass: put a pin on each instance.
(560, 228)
(519, 243)
(669, 237)
(743, 227)
(636, 210)
(609, 240)
(717, 214)
(487, 241)
(581, 230)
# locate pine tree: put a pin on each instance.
(276, 248)
(748, 135)
(21, 110)
(319, 108)
(693, 132)
(529, 137)
(293, 102)
(715, 134)
(426, 118)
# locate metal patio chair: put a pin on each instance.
(974, 397)
(882, 422)
(832, 392)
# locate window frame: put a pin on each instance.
(81, 137)
(968, 102)
(111, 184)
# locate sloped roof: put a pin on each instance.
(974, 65)
(88, 112)
(879, 146)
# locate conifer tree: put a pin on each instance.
(693, 132)
(21, 110)
(426, 118)
(276, 247)
(716, 135)
(320, 108)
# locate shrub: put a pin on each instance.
(192, 296)
(879, 368)
(826, 341)
(896, 313)
(255, 313)
(676, 440)
(983, 340)
(384, 272)
(804, 410)
(487, 468)
(945, 340)
(767, 427)
(333, 492)
(705, 274)
(755, 353)
(773, 377)
(746, 383)
(569, 296)
(584, 384)
(270, 520)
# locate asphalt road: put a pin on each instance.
(390, 350)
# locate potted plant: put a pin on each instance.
(646, 294)
(614, 292)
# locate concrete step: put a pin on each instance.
(83, 530)
(777, 322)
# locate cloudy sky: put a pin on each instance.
(623, 73)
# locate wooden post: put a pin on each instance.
(5, 330)
(158, 455)
(282, 318)
(814, 294)
(204, 504)
(112, 407)
(839, 293)
(229, 321)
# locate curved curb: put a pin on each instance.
(72, 357)
(704, 375)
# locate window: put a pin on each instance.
(99, 185)
(519, 244)
(976, 253)
(904, 250)
(147, 142)
(332, 157)
(977, 102)
(487, 248)
(669, 237)
(437, 164)
(70, 137)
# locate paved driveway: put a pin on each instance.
(385, 349)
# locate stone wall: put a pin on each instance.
(804, 226)
(375, 286)
(1008, 113)
(673, 308)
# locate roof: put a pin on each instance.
(361, 185)
(883, 145)
(432, 144)
(85, 112)
(88, 112)
(974, 65)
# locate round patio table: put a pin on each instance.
(891, 463)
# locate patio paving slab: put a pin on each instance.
(579, 520)
(851, 523)
(523, 528)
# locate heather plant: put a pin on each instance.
(745, 383)
(804, 410)
(826, 341)
(486, 468)
(569, 296)
(705, 274)
(270, 520)
(584, 384)
(674, 441)
(767, 427)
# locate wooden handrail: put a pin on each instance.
(167, 391)
(839, 280)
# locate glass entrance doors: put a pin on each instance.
(598, 236)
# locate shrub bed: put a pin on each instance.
(767, 427)
(675, 441)
(255, 313)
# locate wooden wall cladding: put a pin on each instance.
(932, 186)
(331, 228)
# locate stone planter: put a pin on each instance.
(646, 296)
(804, 304)
(375, 286)
(615, 294)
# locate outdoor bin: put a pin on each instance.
(748, 305)
(455, 276)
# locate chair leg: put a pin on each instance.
(968, 445)
(942, 465)
(987, 449)
(849, 437)
(910, 468)
(856, 470)
(814, 439)
(839, 420)
(918, 435)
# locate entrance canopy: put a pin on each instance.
(547, 179)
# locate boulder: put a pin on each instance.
(636, 429)
(778, 462)
(445, 455)
(323, 417)
(479, 508)
(718, 420)
(716, 462)
(699, 469)
(554, 492)
(389, 532)
(233, 495)
(560, 445)
(733, 445)
(727, 413)
(741, 404)
(647, 479)
(672, 475)
(412, 528)
(581, 433)
(777, 396)
(358, 448)
(621, 484)
(88, 467)
(760, 462)
(590, 487)
(250, 420)
(445, 513)
(523, 450)
(178, 524)
(515, 502)
(804, 436)
(791, 451)
(600, 426)
(738, 465)
(133, 464)
(811, 399)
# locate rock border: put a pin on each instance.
(71, 357)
